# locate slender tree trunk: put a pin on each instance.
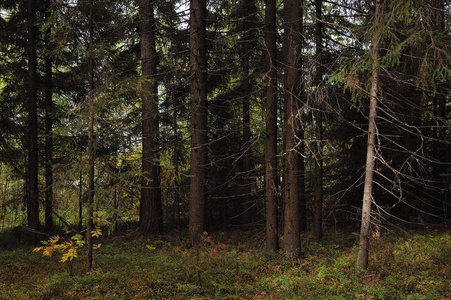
(33, 190)
(119, 162)
(364, 244)
(48, 130)
(91, 144)
(318, 171)
(198, 62)
(272, 239)
(176, 189)
(292, 49)
(176, 208)
(246, 91)
(80, 192)
(91, 162)
(151, 213)
(301, 170)
(440, 111)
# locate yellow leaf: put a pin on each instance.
(96, 232)
(69, 255)
(79, 242)
(37, 249)
(64, 257)
(150, 247)
(58, 247)
(96, 246)
(54, 239)
(48, 251)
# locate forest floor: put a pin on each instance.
(403, 265)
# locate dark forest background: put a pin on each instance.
(213, 115)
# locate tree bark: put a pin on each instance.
(91, 144)
(198, 62)
(318, 170)
(272, 239)
(246, 91)
(151, 214)
(301, 170)
(48, 129)
(80, 191)
(33, 189)
(177, 144)
(364, 244)
(292, 49)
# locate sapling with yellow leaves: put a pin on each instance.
(67, 247)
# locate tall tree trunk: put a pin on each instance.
(33, 190)
(318, 171)
(91, 144)
(198, 62)
(176, 208)
(364, 244)
(48, 129)
(80, 191)
(301, 170)
(246, 92)
(119, 162)
(292, 49)
(440, 112)
(272, 239)
(151, 213)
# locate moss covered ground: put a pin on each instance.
(403, 265)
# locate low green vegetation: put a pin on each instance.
(233, 265)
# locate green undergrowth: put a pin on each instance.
(233, 266)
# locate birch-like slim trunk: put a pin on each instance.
(364, 244)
